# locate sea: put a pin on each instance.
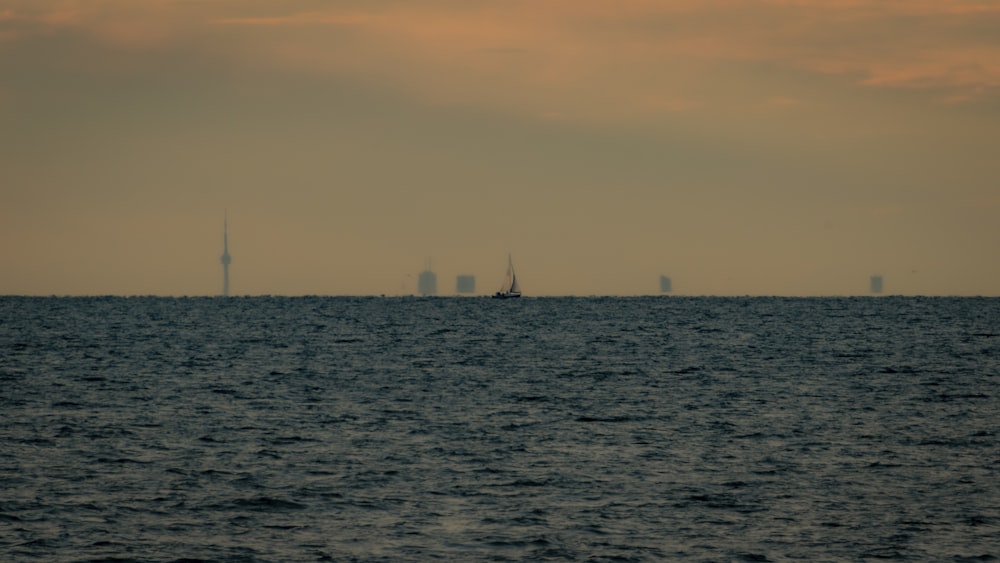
(245, 429)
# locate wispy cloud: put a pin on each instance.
(301, 19)
(876, 44)
(572, 58)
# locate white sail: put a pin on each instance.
(510, 288)
(514, 288)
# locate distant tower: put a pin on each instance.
(226, 259)
(665, 285)
(427, 283)
(465, 284)
(876, 284)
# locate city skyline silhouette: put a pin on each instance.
(740, 148)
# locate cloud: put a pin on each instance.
(300, 19)
(130, 24)
(634, 43)
(582, 59)
(780, 103)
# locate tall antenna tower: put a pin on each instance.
(226, 259)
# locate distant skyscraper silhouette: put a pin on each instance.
(427, 282)
(465, 284)
(876, 284)
(226, 259)
(665, 285)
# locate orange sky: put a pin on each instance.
(764, 147)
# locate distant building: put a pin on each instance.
(226, 258)
(876, 284)
(465, 284)
(427, 283)
(665, 285)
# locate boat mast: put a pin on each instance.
(226, 259)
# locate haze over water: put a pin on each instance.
(742, 147)
(555, 429)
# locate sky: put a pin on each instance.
(740, 147)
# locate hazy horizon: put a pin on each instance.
(762, 147)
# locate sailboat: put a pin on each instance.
(510, 289)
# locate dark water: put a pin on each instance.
(646, 429)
